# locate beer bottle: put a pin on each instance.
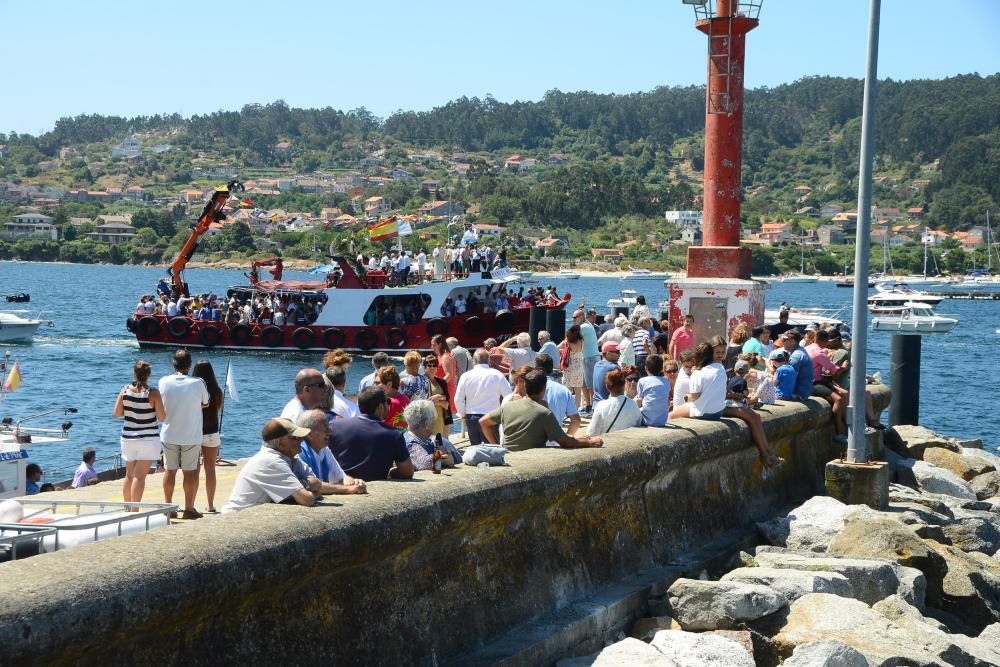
(438, 459)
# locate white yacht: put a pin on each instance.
(889, 295)
(626, 300)
(17, 327)
(798, 278)
(522, 275)
(913, 318)
(645, 274)
(568, 274)
(803, 317)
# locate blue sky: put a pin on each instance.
(139, 58)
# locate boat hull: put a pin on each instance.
(18, 333)
(470, 330)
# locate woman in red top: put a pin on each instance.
(388, 378)
(447, 369)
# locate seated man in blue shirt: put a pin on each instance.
(798, 359)
(365, 446)
(558, 397)
(784, 376)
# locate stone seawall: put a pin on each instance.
(417, 572)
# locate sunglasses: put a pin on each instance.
(673, 372)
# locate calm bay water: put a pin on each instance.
(86, 358)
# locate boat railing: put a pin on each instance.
(121, 512)
(15, 535)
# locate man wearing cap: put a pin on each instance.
(784, 375)
(275, 474)
(610, 353)
(799, 360)
(365, 446)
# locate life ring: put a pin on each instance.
(179, 327)
(303, 338)
(474, 326)
(505, 321)
(209, 336)
(396, 337)
(333, 338)
(366, 339)
(148, 327)
(240, 334)
(437, 327)
(130, 325)
(272, 336)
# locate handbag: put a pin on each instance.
(564, 359)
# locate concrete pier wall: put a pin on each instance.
(417, 572)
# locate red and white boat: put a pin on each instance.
(348, 301)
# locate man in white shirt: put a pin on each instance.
(479, 392)
(171, 308)
(183, 398)
(404, 268)
(379, 360)
(310, 390)
(341, 407)
(614, 335)
(460, 305)
(421, 265)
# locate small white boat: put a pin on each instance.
(913, 318)
(983, 283)
(645, 274)
(898, 294)
(568, 274)
(798, 278)
(522, 275)
(17, 327)
(803, 317)
(627, 300)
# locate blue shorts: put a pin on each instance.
(588, 370)
(711, 416)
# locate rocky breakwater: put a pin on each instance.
(918, 584)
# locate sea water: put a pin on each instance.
(86, 358)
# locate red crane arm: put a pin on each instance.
(212, 213)
(274, 262)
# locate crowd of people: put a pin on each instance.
(263, 308)
(617, 374)
(404, 267)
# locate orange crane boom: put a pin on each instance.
(212, 213)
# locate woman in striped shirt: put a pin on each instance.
(141, 406)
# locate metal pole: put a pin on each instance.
(904, 380)
(856, 443)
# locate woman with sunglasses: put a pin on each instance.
(439, 396)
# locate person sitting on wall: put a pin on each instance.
(528, 423)
(275, 474)
(310, 391)
(420, 419)
(315, 453)
(365, 447)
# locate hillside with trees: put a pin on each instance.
(624, 159)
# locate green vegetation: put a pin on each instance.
(605, 166)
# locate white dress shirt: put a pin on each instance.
(480, 390)
(342, 407)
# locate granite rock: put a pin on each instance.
(986, 485)
(632, 653)
(974, 533)
(715, 605)
(829, 653)
(970, 587)
(919, 439)
(966, 467)
(899, 639)
(808, 527)
(793, 584)
(932, 479)
(890, 540)
(871, 580)
(693, 649)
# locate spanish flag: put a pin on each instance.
(386, 229)
(14, 379)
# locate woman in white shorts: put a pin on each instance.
(142, 407)
(210, 427)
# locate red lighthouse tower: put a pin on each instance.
(718, 290)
